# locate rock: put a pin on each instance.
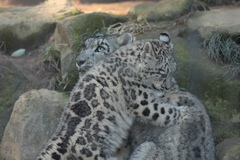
(229, 149)
(18, 53)
(235, 118)
(163, 10)
(35, 116)
(224, 20)
(13, 84)
(70, 33)
(30, 26)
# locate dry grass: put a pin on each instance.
(2, 47)
(130, 27)
(224, 50)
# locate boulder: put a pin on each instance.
(13, 84)
(70, 33)
(29, 26)
(224, 20)
(35, 116)
(163, 10)
(229, 149)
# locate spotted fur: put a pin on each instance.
(107, 98)
(150, 142)
(189, 140)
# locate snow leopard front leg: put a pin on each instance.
(190, 139)
(149, 107)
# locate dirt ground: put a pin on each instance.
(120, 8)
(39, 73)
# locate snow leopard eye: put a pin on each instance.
(100, 49)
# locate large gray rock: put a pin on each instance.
(13, 84)
(35, 116)
(29, 26)
(163, 10)
(224, 20)
(229, 149)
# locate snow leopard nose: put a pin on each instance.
(80, 62)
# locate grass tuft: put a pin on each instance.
(223, 49)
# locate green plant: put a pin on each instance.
(66, 82)
(60, 82)
(223, 49)
(52, 55)
(73, 12)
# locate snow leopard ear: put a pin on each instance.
(88, 42)
(125, 39)
(148, 52)
(165, 37)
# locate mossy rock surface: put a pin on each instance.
(163, 10)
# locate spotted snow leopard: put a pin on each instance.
(150, 142)
(126, 86)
